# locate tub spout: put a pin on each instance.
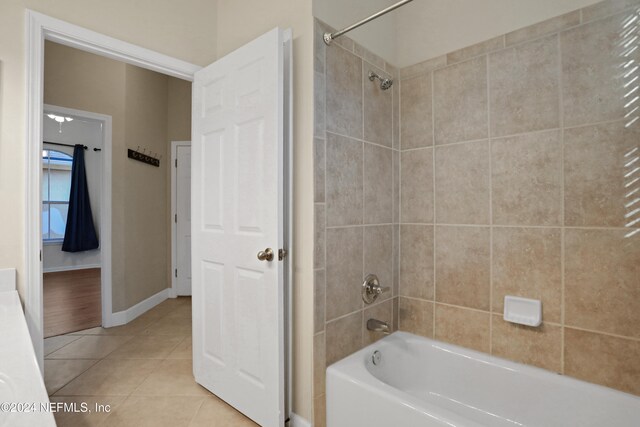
(376, 325)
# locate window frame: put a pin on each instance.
(46, 168)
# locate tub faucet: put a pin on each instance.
(376, 325)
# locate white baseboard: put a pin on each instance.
(7, 279)
(70, 268)
(297, 421)
(126, 316)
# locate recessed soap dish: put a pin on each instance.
(524, 311)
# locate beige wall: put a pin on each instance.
(238, 23)
(146, 108)
(185, 30)
(520, 188)
(430, 28)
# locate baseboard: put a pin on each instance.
(70, 268)
(126, 316)
(297, 421)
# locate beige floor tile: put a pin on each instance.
(147, 347)
(100, 407)
(90, 347)
(216, 413)
(56, 343)
(171, 378)
(170, 326)
(57, 373)
(183, 350)
(113, 377)
(141, 411)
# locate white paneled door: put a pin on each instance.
(240, 107)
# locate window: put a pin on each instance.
(56, 186)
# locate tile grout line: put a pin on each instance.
(490, 148)
(562, 203)
(433, 200)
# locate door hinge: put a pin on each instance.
(282, 253)
(175, 218)
(40, 255)
(175, 272)
(176, 163)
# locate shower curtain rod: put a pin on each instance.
(329, 37)
(69, 145)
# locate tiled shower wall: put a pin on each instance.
(356, 200)
(520, 175)
(511, 167)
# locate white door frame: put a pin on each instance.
(40, 28)
(105, 205)
(174, 209)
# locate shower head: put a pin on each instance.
(384, 82)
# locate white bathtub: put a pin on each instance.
(422, 382)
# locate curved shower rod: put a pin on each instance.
(329, 37)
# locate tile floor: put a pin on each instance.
(142, 370)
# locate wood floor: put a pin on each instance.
(71, 301)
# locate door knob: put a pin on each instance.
(266, 255)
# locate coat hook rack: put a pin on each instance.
(142, 157)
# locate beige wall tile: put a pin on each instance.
(540, 29)
(368, 56)
(378, 184)
(416, 186)
(462, 266)
(396, 259)
(319, 240)
(378, 252)
(591, 77)
(462, 183)
(603, 359)
(319, 46)
(319, 364)
(602, 283)
(319, 295)
(541, 346)
(606, 8)
(344, 337)
(595, 183)
(523, 88)
(344, 92)
(319, 104)
(460, 326)
(319, 169)
(527, 263)
(415, 316)
(395, 127)
(396, 313)
(396, 186)
(460, 102)
(416, 127)
(320, 411)
(344, 181)
(383, 312)
(423, 67)
(378, 108)
(416, 262)
(344, 271)
(476, 50)
(527, 179)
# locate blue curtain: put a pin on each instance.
(80, 234)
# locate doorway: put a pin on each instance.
(181, 214)
(77, 285)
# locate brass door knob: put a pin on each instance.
(266, 255)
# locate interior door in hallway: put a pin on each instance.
(239, 192)
(182, 218)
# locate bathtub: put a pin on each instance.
(421, 382)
